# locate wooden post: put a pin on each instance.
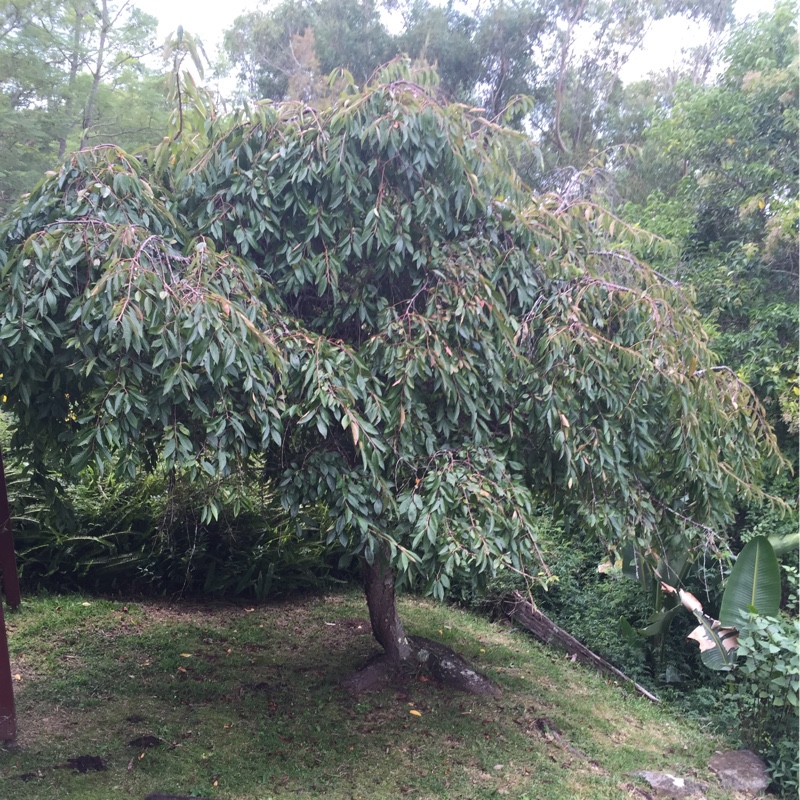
(10, 585)
(8, 561)
(8, 714)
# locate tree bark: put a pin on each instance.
(386, 625)
(544, 629)
(88, 115)
(406, 654)
(74, 65)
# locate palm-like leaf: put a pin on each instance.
(754, 583)
(718, 644)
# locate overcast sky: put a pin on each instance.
(207, 19)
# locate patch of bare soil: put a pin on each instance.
(145, 742)
(186, 611)
(57, 724)
(545, 730)
(84, 764)
(357, 625)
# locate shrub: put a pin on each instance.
(766, 680)
(155, 535)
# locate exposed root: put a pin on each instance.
(378, 673)
(443, 664)
(450, 668)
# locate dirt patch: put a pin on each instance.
(37, 726)
(356, 625)
(143, 742)
(84, 764)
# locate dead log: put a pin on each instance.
(544, 629)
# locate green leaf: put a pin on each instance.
(659, 623)
(754, 583)
(717, 644)
(784, 544)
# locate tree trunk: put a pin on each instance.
(406, 654)
(386, 625)
(74, 65)
(88, 114)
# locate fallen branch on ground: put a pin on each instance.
(544, 629)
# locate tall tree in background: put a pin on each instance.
(281, 52)
(566, 54)
(581, 89)
(723, 162)
(72, 75)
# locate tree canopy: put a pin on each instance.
(71, 74)
(721, 170)
(367, 306)
(566, 55)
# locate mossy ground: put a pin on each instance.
(246, 703)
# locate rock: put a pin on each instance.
(740, 770)
(666, 785)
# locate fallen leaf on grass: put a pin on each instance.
(186, 655)
(415, 712)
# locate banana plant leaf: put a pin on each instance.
(629, 632)
(784, 544)
(754, 584)
(718, 644)
(659, 622)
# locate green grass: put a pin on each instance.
(247, 703)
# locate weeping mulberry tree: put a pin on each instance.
(367, 307)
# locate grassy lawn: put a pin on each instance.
(228, 701)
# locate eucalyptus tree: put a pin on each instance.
(722, 167)
(365, 305)
(271, 47)
(566, 54)
(71, 74)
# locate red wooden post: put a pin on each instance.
(8, 567)
(8, 561)
(8, 714)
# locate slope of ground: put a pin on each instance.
(244, 703)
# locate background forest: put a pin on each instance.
(704, 155)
